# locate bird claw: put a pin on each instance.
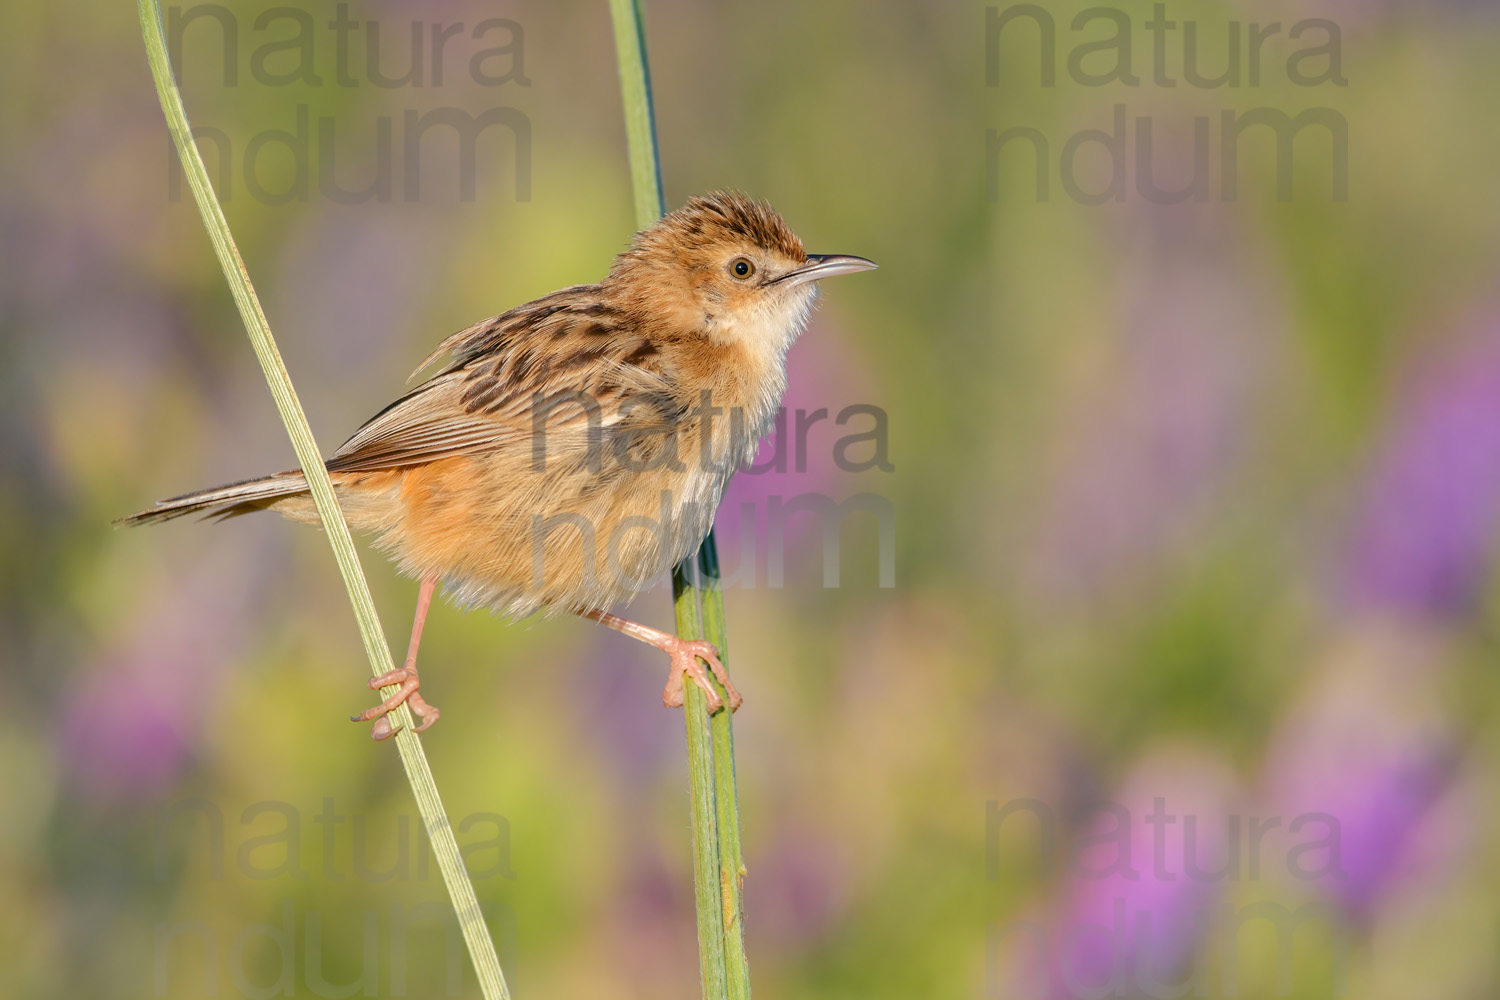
(405, 678)
(685, 655)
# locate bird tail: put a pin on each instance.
(224, 501)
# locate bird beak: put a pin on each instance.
(825, 265)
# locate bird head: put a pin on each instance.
(728, 268)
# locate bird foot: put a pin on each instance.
(407, 684)
(685, 654)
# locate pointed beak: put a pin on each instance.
(825, 265)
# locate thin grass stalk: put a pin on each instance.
(699, 605)
(726, 799)
(707, 890)
(408, 744)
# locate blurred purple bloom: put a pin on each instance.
(1422, 542)
(351, 288)
(1160, 425)
(613, 676)
(1370, 747)
(819, 376)
(131, 722)
(1138, 899)
(122, 736)
(800, 888)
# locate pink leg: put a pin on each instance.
(405, 677)
(684, 654)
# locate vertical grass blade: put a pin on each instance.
(726, 799)
(718, 868)
(707, 889)
(445, 848)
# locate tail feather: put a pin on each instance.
(224, 501)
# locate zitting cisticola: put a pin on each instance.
(573, 448)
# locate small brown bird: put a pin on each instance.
(575, 447)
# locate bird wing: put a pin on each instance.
(565, 363)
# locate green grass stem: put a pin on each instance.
(718, 866)
(408, 744)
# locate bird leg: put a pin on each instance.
(685, 654)
(405, 677)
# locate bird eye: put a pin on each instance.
(742, 268)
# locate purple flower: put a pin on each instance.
(1360, 762)
(1140, 888)
(801, 887)
(130, 723)
(1421, 542)
(1157, 423)
(790, 464)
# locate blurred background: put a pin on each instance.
(1186, 679)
